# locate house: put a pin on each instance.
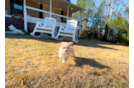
(36, 10)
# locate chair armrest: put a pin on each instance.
(61, 27)
(38, 23)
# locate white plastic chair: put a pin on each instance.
(48, 27)
(69, 31)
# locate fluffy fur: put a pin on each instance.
(17, 31)
(65, 49)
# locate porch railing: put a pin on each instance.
(35, 19)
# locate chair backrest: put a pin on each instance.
(50, 22)
(71, 25)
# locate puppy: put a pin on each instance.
(65, 49)
(17, 31)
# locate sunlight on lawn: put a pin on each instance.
(35, 63)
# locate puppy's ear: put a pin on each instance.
(71, 43)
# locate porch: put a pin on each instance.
(37, 10)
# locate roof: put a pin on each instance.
(63, 4)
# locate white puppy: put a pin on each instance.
(65, 49)
(15, 30)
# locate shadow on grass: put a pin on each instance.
(82, 42)
(80, 61)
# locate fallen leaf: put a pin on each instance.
(71, 69)
(80, 76)
(92, 86)
(127, 82)
(112, 75)
(124, 77)
(126, 87)
(88, 78)
(50, 54)
(60, 73)
(124, 63)
(98, 74)
(125, 72)
(23, 78)
(51, 81)
(58, 78)
(109, 80)
(119, 76)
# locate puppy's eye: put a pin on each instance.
(64, 47)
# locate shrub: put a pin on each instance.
(85, 34)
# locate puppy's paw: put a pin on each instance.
(63, 61)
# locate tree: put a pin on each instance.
(112, 9)
(86, 16)
(108, 8)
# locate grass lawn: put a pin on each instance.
(34, 63)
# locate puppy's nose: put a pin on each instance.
(66, 50)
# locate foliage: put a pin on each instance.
(94, 19)
(127, 37)
(85, 34)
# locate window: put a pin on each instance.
(16, 6)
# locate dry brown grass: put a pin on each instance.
(34, 63)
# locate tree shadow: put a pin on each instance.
(82, 42)
(80, 61)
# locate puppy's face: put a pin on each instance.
(64, 47)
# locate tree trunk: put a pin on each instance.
(112, 10)
(106, 32)
(109, 4)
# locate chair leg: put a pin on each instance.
(57, 36)
(52, 35)
(32, 33)
(73, 38)
(37, 24)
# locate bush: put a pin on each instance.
(123, 41)
(85, 34)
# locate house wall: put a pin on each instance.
(32, 12)
(18, 23)
(55, 10)
(7, 6)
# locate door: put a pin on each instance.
(40, 13)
